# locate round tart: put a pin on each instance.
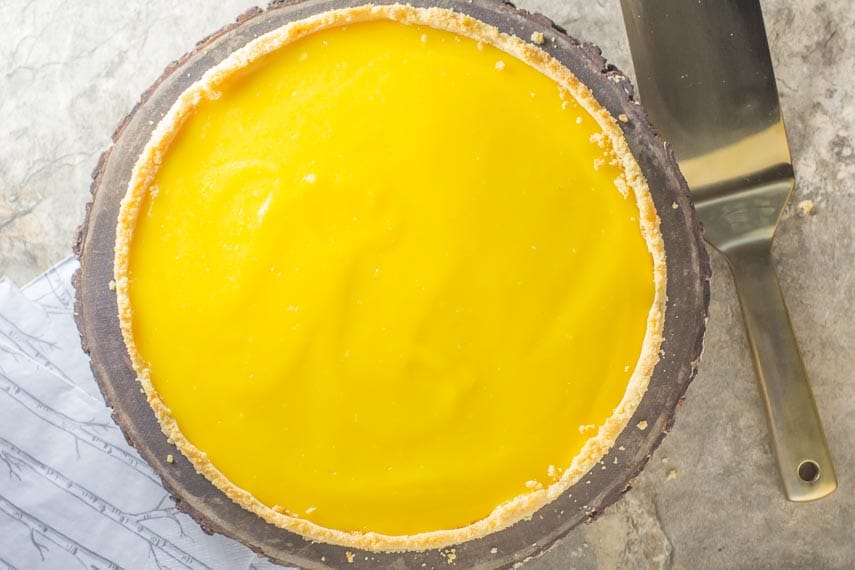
(393, 278)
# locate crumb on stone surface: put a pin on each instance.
(642, 425)
(494, 550)
(806, 207)
(349, 556)
(170, 458)
(623, 118)
(500, 65)
(674, 205)
(112, 285)
(672, 474)
(450, 555)
(537, 37)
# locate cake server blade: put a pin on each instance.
(705, 78)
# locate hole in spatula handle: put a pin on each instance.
(809, 471)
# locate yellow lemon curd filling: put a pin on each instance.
(385, 280)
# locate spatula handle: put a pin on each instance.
(797, 435)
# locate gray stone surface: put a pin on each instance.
(71, 69)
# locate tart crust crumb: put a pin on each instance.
(806, 207)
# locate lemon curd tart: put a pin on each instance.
(389, 278)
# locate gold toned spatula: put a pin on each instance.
(705, 78)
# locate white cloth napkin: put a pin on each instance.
(72, 492)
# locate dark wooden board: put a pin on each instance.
(685, 317)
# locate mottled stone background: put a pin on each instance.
(710, 497)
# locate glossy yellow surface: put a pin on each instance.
(381, 284)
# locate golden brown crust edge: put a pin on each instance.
(594, 449)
